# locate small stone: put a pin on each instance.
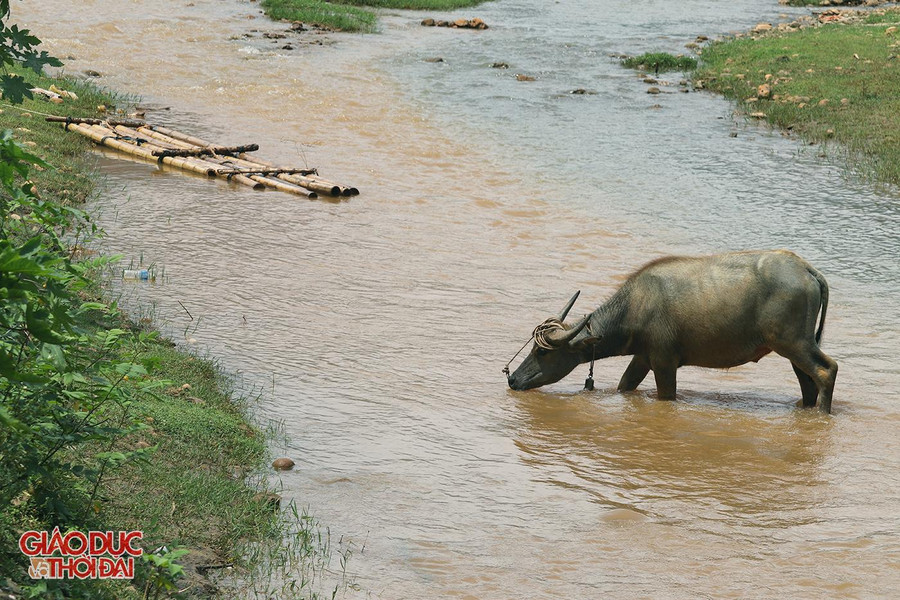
(298, 26)
(650, 80)
(845, 101)
(762, 28)
(764, 91)
(282, 464)
(890, 31)
(758, 115)
(499, 65)
(269, 499)
(523, 77)
(435, 59)
(461, 23)
(429, 22)
(287, 47)
(92, 73)
(823, 102)
(653, 90)
(186, 386)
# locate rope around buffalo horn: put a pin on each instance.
(539, 337)
(543, 330)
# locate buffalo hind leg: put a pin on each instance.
(807, 387)
(634, 374)
(819, 367)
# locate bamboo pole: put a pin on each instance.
(175, 143)
(195, 141)
(208, 150)
(80, 121)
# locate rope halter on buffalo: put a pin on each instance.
(542, 336)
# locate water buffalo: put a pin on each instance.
(716, 311)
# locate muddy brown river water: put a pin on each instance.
(377, 327)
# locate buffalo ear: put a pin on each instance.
(587, 341)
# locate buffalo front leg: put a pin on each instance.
(664, 373)
(634, 374)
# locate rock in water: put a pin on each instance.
(282, 464)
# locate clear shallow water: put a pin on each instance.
(379, 326)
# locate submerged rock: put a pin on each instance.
(475, 23)
(282, 464)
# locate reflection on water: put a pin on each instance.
(377, 327)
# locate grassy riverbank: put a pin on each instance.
(835, 82)
(351, 15)
(103, 425)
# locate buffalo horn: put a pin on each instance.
(561, 337)
(565, 311)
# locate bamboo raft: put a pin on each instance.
(169, 147)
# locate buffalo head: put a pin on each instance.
(557, 350)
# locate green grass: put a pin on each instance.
(660, 62)
(72, 181)
(832, 83)
(191, 492)
(891, 16)
(351, 15)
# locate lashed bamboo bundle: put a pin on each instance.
(161, 145)
(170, 147)
(310, 182)
(227, 170)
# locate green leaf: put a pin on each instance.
(55, 355)
(41, 326)
(13, 261)
(14, 89)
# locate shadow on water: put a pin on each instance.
(726, 461)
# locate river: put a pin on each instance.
(377, 327)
